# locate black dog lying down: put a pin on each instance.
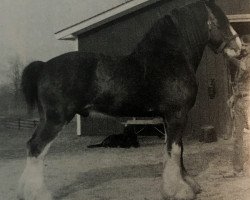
(119, 140)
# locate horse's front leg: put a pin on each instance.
(177, 184)
(195, 186)
(31, 184)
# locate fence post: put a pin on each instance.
(19, 123)
(78, 125)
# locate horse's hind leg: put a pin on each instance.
(174, 184)
(31, 184)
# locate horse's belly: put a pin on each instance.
(149, 100)
(124, 105)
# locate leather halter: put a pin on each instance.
(225, 43)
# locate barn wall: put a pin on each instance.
(121, 37)
(207, 111)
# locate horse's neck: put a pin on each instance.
(161, 41)
(193, 29)
(193, 48)
(184, 33)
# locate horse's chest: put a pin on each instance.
(178, 91)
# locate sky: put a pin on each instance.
(27, 28)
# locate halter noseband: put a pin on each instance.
(225, 43)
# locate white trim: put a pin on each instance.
(239, 18)
(78, 117)
(142, 121)
(103, 18)
(76, 44)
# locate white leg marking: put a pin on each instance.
(174, 187)
(45, 151)
(31, 184)
(196, 187)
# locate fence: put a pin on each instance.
(21, 123)
(90, 126)
(18, 123)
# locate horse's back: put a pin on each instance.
(67, 80)
(70, 62)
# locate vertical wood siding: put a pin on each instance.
(232, 7)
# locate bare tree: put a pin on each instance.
(16, 67)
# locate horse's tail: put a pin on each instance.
(29, 80)
(95, 145)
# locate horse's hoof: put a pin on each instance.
(20, 190)
(31, 195)
(186, 193)
(196, 187)
(182, 191)
(32, 190)
(34, 195)
(19, 197)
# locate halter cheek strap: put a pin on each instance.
(225, 43)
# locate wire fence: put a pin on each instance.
(22, 123)
(18, 123)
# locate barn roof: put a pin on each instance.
(129, 6)
(99, 19)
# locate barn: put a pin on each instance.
(116, 32)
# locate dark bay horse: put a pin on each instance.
(156, 79)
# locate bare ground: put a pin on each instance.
(73, 172)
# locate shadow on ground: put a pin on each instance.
(97, 177)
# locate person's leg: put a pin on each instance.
(240, 124)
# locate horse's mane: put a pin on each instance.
(163, 34)
(191, 22)
(183, 29)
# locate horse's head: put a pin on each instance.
(222, 36)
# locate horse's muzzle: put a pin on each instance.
(243, 54)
